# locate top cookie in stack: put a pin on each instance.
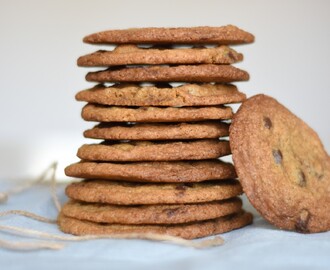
(161, 108)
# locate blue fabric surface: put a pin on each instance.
(258, 246)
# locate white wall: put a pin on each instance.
(41, 40)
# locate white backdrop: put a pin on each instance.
(41, 40)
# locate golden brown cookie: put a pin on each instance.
(186, 230)
(162, 95)
(100, 113)
(150, 214)
(282, 165)
(133, 55)
(228, 34)
(131, 193)
(158, 131)
(154, 151)
(175, 171)
(183, 73)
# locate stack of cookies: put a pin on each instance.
(161, 104)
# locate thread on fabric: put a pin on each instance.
(29, 215)
(30, 246)
(26, 185)
(215, 241)
(53, 187)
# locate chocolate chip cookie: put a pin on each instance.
(228, 34)
(203, 73)
(158, 131)
(162, 95)
(154, 151)
(133, 55)
(132, 193)
(166, 172)
(282, 165)
(101, 113)
(150, 214)
(186, 230)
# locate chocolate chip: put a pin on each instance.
(182, 189)
(231, 55)
(183, 186)
(277, 154)
(301, 224)
(267, 122)
(301, 179)
(171, 212)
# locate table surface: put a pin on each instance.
(258, 246)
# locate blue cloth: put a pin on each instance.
(259, 246)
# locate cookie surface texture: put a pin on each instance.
(182, 73)
(154, 151)
(150, 214)
(133, 55)
(228, 34)
(167, 172)
(185, 95)
(188, 230)
(129, 193)
(282, 165)
(99, 113)
(158, 131)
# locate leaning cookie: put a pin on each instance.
(282, 165)
(162, 95)
(228, 34)
(183, 73)
(133, 55)
(186, 230)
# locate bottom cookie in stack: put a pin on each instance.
(189, 211)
